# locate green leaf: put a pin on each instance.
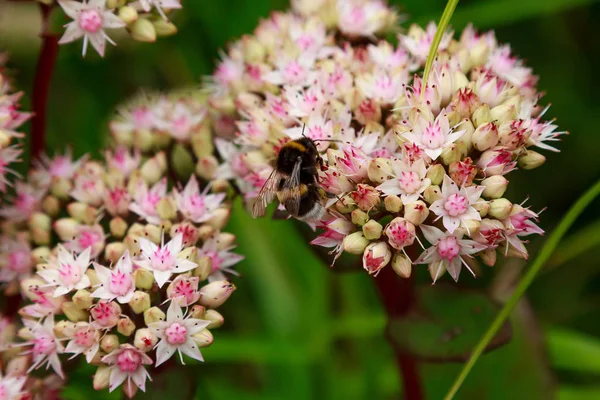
(578, 393)
(446, 324)
(576, 244)
(574, 351)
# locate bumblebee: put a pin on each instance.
(295, 182)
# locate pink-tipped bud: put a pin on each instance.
(153, 314)
(101, 377)
(66, 228)
(376, 256)
(366, 197)
(402, 265)
(393, 204)
(488, 256)
(355, 243)
(372, 230)
(485, 136)
(416, 212)
(379, 170)
(140, 301)
(142, 30)
(531, 159)
(206, 167)
(436, 174)
(464, 102)
(128, 14)
(495, 186)
(105, 314)
(215, 318)
(432, 194)
(154, 169)
(400, 233)
(113, 251)
(220, 217)
(204, 338)
(144, 339)
(125, 326)
(500, 208)
(83, 299)
(368, 110)
(215, 293)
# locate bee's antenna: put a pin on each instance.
(303, 127)
(328, 140)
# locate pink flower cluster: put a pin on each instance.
(117, 263)
(145, 20)
(415, 173)
(11, 119)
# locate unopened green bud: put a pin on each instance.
(73, 312)
(503, 113)
(143, 278)
(93, 277)
(451, 154)
(18, 366)
(66, 228)
(495, 186)
(500, 208)
(51, 206)
(355, 243)
(359, 217)
(182, 160)
(40, 221)
(140, 302)
(432, 193)
(113, 251)
(101, 377)
(481, 115)
(205, 232)
(215, 293)
(482, 208)
(128, 14)
(154, 169)
(142, 30)
(153, 233)
(83, 299)
(215, 318)
(393, 203)
(109, 343)
(220, 217)
(372, 230)
(201, 141)
(379, 170)
(118, 227)
(144, 339)
(416, 212)
(485, 136)
(198, 312)
(153, 314)
(436, 174)
(488, 256)
(40, 254)
(203, 338)
(164, 28)
(125, 326)
(61, 188)
(402, 265)
(345, 205)
(531, 159)
(77, 210)
(204, 268)
(206, 167)
(225, 240)
(64, 328)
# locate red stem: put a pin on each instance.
(398, 298)
(41, 84)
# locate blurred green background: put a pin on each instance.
(296, 329)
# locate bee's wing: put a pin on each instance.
(291, 190)
(266, 194)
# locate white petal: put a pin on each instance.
(103, 293)
(431, 233)
(125, 264)
(102, 272)
(111, 21)
(427, 256)
(61, 290)
(190, 349)
(438, 207)
(117, 377)
(164, 351)
(71, 7)
(162, 277)
(148, 248)
(99, 4)
(139, 378)
(390, 187)
(448, 186)
(98, 41)
(174, 312)
(72, 33)
(185, 265)
(49, 275)
(451, 223)
(175, 244)
(194, 325)
(55, 363)
(125, 299)
(91, 353)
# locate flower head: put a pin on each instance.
(162, 260)
(127, 364)
(68, 273)
(116, 283)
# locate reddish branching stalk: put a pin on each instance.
(398, 297)
(41, 84)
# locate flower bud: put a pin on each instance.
(77, 210)
(393, 204)
(153, 233)
(101, 377)
(359, 217)
(402, 265)
(144, 339)
(481, 115)
(66, 228)
(220, 218)
(450, 154)
(204, 268)
(118, 227)
(485, 136)
(93, 277)
(400, 233)
(128, 14)
(197, 311)
(376, 256)
(225, 240)
(125, 326)
(215, 318)
(164, 28)
(368, 110)
(73, 312)
(346, 205)
(40, 254)
(109, 343)
(432, 193)
(488, 256)
(106, 313)
(206, 167)
(416, 212)
(140, 301)
(83, 299)
(205, 232)
(372, 230)
(355, 243)
(143, 279)
(153, 314)
(215, 293)
(482, 208)
(503, 113)
(51, 206)
(201, 142)
(531, 159)
(113, 251)
(154, 169)
(18, 366)
(61, 188)
(379, 170)
(64, 328)
(40, 237)
(25, 334)
(436, 174)
(203, 338)
(495, 186)
(500, 208)
(166, 208)
(142, 30)
(366, 197)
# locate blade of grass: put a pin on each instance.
(441, 28)
(576, 244)
(543, 256)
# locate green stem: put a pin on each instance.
(543, 256)
(441, 28)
